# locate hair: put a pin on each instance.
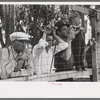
(60, 24)
(73, 15)
(60, 27)
(50, 35)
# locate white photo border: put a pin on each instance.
(48, 89)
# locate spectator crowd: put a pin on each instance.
(62, 47)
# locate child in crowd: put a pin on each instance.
(79, 42)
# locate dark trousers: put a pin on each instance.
(78, 49)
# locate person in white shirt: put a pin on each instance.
(16, 59)
(44, 51)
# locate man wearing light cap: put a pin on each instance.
(16, 59)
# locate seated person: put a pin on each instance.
(16, 59)
(43, 52)
(64, 59)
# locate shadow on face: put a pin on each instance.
(64, 31)
(49, 39)
(19, 45)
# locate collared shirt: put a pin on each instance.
(43, 61)
(8, 64)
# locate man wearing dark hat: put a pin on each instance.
(64, 59)
(16, 59)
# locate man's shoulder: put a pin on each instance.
(4, 49)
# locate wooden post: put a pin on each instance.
(97, 51)
(6, 22)
(94, 62)
(11, 20)
(95, 22)
(8, 11)
(80, 9)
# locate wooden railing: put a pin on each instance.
(53, 76)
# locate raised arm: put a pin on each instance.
(38, 48)
(56, 37)
(62, 45)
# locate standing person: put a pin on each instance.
(79, 42)
(64, 59)
(44, 51)
(16, 59)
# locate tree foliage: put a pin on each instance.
(33, 18)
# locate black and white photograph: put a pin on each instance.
(49, 49)
(49, 42)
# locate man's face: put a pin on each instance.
(76, 21)
(19, 45)
(64, 31)
(49, 39)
